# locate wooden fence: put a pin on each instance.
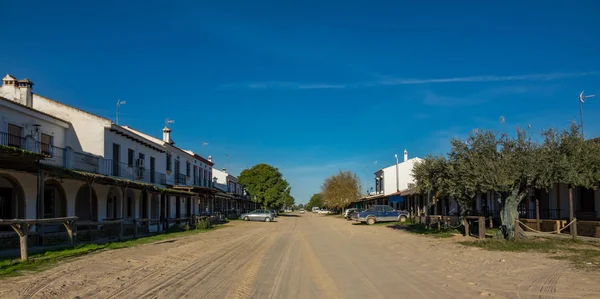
(118, 226)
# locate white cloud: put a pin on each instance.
(409, 81)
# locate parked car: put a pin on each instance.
(302, 211)
(315, 209)
(380, 213)
(258, 215)
(348, 212)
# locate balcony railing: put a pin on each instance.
(180, 179)
(136, 173)
(67, 158)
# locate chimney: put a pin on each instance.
(167, 135)
(224, 170)
(26, 87)
(19, 91)
(209, 158)
(405, 155)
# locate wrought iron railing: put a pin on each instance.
(68, 158)
(180, 179)
(11, 140)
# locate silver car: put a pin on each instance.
(258, 215)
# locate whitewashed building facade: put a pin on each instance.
(90, 167)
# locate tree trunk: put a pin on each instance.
(509, 213)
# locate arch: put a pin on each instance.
(113, 204)
(55, 199)
(12, 200)
(143, 206)
(82, 204)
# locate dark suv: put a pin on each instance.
(380, 213)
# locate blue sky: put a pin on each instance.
(312, 87)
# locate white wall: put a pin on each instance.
(404, 175)
(126, 144)
(88, 129)
(26, 118)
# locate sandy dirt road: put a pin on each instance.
(308, 256)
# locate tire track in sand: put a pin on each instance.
(197, 273)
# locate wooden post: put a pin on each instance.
(571, 214)
(466, 225)
(121, 230)
(71, 231)
(22, 230)
(439, 224)
(481, 228)
(537, 213)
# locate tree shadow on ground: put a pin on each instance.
(423, 229)
(288, 215)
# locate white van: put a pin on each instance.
(315, 209)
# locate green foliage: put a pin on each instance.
(316, 201)
(340, 190)
(266, 185)
(204, 224)
(288, 199)
(510, 166)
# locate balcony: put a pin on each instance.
(70, 159)
(180, 179)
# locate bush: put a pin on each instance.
(204, 224)
(182, 227)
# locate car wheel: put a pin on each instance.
(402, 219)
(267, 219)
(247, 218)
(370, 221)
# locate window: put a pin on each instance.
(205, 177)
(195, 175)
(116, 159)
(130, 154)
(202, 176)
(169, 161)
(46, 144)
(14, 136)
(389, 209)
(187, 168)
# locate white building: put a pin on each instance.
(91, 168)
(395, 178)
(231, 189)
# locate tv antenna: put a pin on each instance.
(119, 103)
(168, 122)
(582, 98)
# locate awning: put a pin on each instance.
(396, 199)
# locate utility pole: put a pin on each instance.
(581, 101)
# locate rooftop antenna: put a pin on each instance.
(581, 101)
(119, 103)
(168, 122)
(502, 121)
